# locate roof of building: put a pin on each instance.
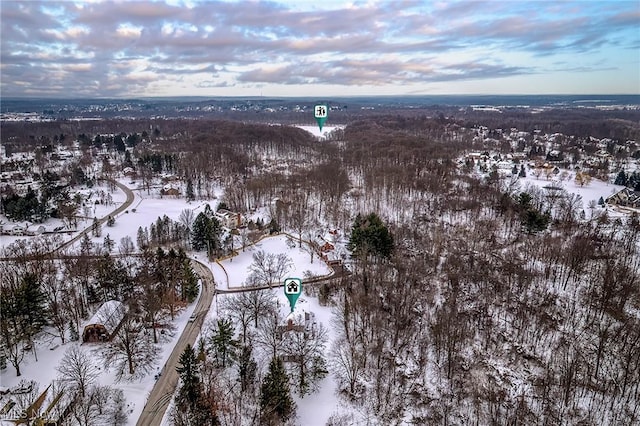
(109, 314)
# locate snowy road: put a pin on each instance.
(164, 388)
(114, 213)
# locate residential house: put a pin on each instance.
(626, 197)
(229, 219)
(105, 322)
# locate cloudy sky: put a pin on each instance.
(318, 48)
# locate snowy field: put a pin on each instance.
(237, 268)
(591, 192)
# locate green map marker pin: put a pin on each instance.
(321, 113)
(292, 289)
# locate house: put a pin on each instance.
(35, 229)
(17, 230)
(170, 190)
(105, 322)
(304, 324)
(327, 247)
(229, 219)
(627, 197)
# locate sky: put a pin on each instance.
(317, 48)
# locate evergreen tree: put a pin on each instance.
(205, 233)
(276, 404)
(523, 173)
(621, 179)
(601, 201)
(85, 245)
(96, 229)
(274, 228)
(140, 239)
(223, 343)
(369, 236)
(108, 243)
(32, 302)
(199, 232)
(189, 193)
(31, 306)
(534, 221)
(73, 332)
(191, 405)
(189, 285)
(191, 388)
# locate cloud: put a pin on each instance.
(120, 48)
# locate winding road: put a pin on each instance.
(123, 207)
(164, 388)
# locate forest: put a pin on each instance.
(471, 299)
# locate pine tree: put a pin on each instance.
(621, 179)
(108, 243)
(274, 228)
(189, 284)
(189, 193)
(199, 232)
(141, 240)
(369, 236)
(191, 386)
(523, 173)
(276, 404)
(223, 344)
(73, 332)
(205, 233)
(31, 302)
(96, 228)
(191, 404)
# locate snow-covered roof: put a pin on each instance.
(109, 314)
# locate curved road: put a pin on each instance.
(165, 386)
(117, 211)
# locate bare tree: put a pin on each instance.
(131, 353)
(305, 350)
(345, 365)
(187, 216)
(126, 246)
(269, 334)
(268, 268)
(77, 369)
(100, 405)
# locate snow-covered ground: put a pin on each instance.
(230, 272)
(237, 268)
(591, 192)
(50, 352)
(108, 202)
(315, 130)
